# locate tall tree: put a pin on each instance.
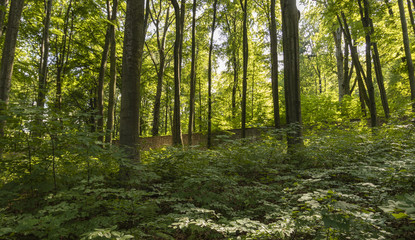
(245, 53)
(290, 40)
(130, 90)
(340, 64)
(274, 64)
(365, 17)
(192, 78)
(62, 54)
(161, 64)
(209, 140)
(7, 60)
(408, 55)
(44, 55)
(113, 75)
(232, 29)
(101, 75)
(180, 15)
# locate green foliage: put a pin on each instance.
(347, 182)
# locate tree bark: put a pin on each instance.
(290, 19)
(245, 52)
(130, 91)
(7, 60)
(408, 55)
(209, 137)
(44, 55)
(274, 65)
(179, 13)
(192, 79)
(113, 75)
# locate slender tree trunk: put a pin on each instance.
(160, 70)
(408, 55)
(356, 62)
(245, 52)
(290, 19)
(113, 75)
(192, 78)
(101, 78)
(61, 55)
(44, 54)
(179, 13)
(7, 60)
(365, 17)
(340, 63)
(274, 65)
(130, 91)
(411, 15)
(348, 72)
(3, 5)
(209, 140)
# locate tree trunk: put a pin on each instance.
(61, 55)
(274, 65)
(161, 41)
(192, 78)
(101, 77)
(290, 19)
(3, 5)
(356, 62)
(44, 54)
(130, 91)
(7, 60)
(407, 52)
(411, 15)
(245, 52)
(176, 129)
(340, 64)
(364, 14)
(209, 137)
(113, 75)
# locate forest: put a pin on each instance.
(328, 86)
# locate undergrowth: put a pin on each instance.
(349, 183)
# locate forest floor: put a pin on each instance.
(348, 183)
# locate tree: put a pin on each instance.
(408, 55)
(245, 52)
(274, 64)
(7, 60)
(179, 13)
(161, 64)
(192, 78)
(44, 54)
(101, 76)
(130, 90)
(209, 141)
(113, 75)
(290, 18)
(62, 54)
(364, 14)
